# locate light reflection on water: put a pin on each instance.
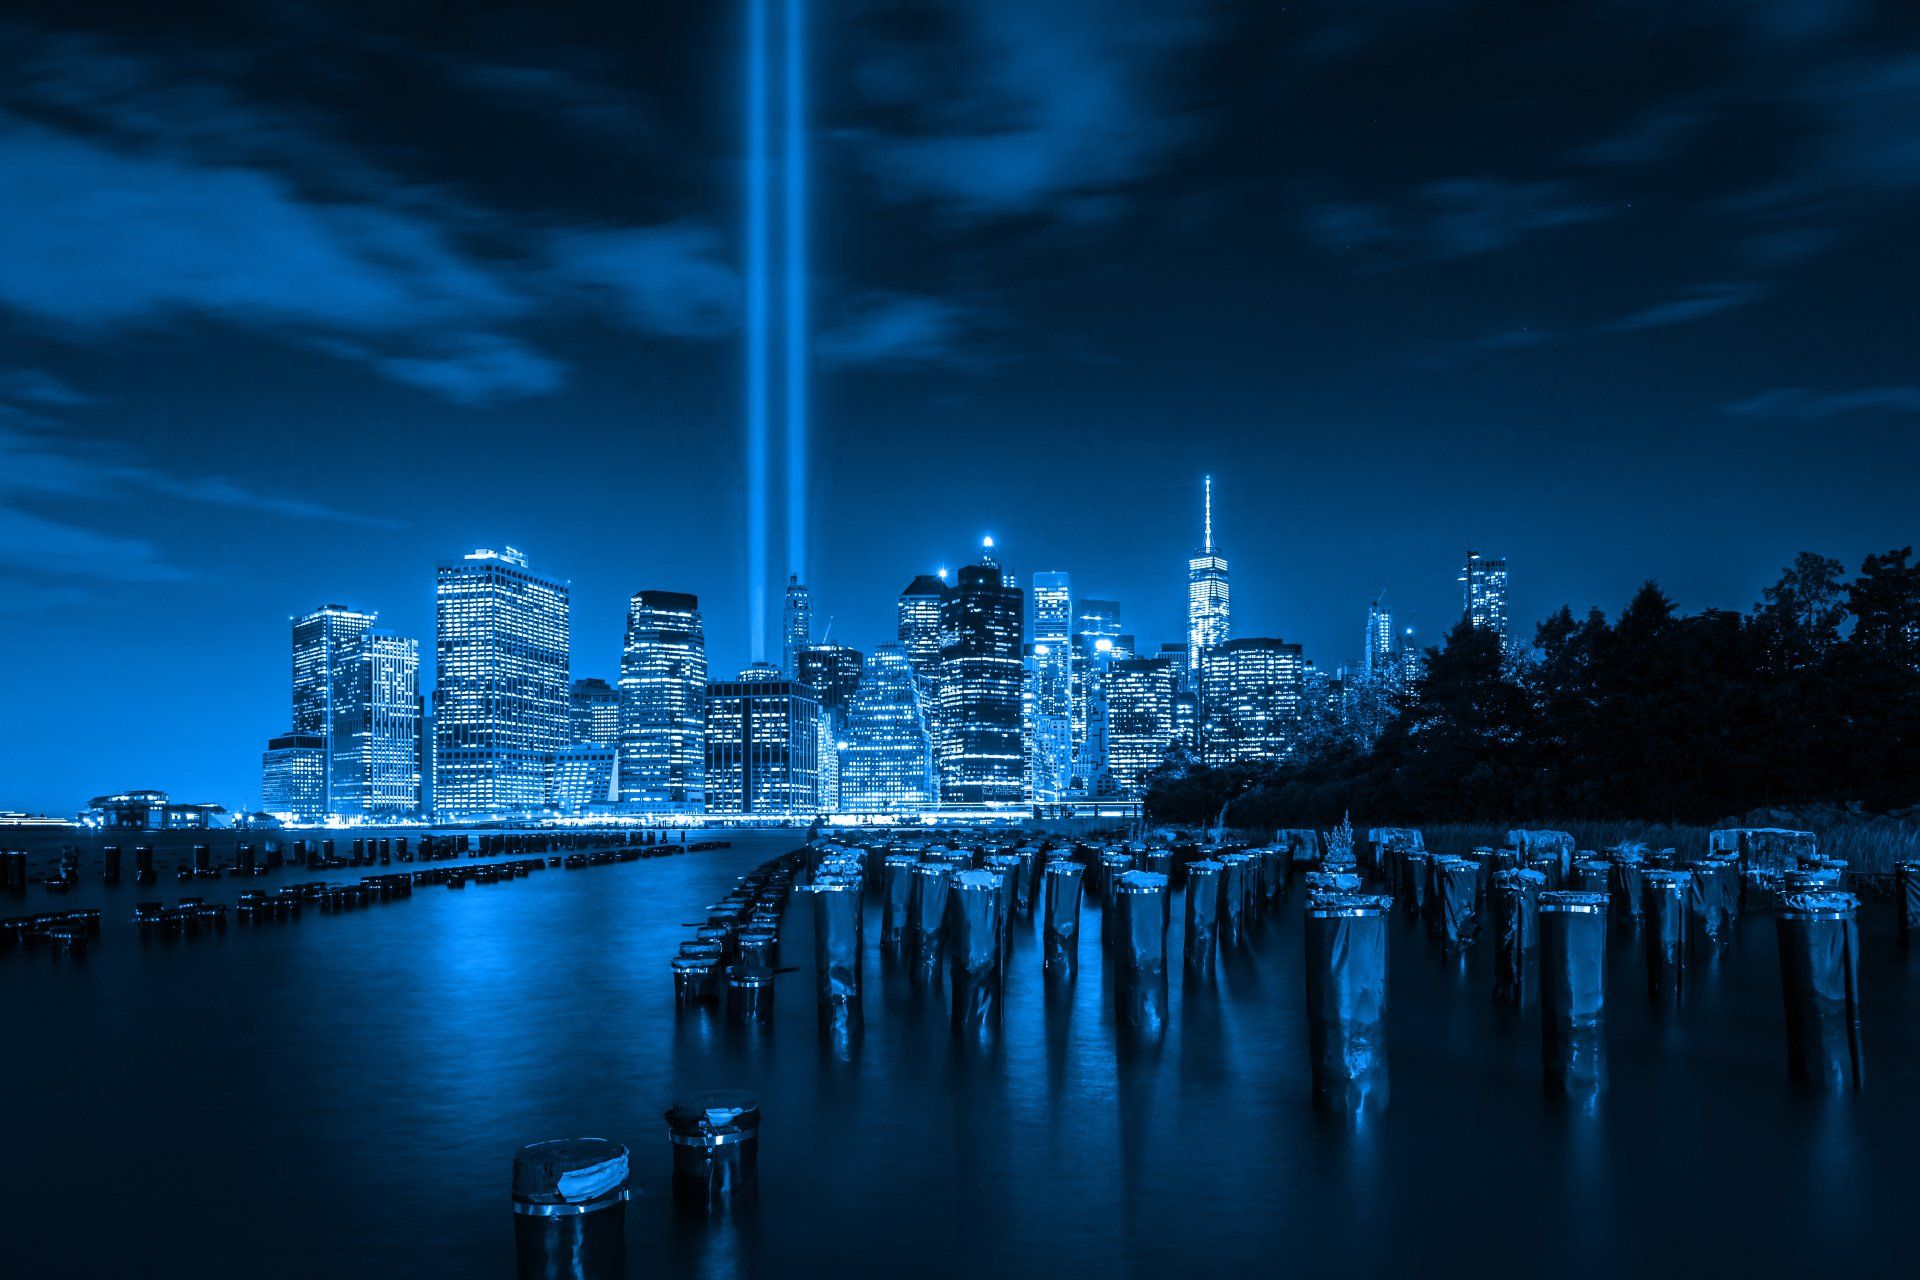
(342, 1096)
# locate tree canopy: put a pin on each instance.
(1813, 696)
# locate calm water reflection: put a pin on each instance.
(343, 1095)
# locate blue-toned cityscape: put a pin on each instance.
(990, 700)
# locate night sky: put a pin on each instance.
(298, 299)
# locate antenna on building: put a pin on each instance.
(1209, 547)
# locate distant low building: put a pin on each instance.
(584, 777)
(152, 811)
(293, 777)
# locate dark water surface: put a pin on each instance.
(341, 1097)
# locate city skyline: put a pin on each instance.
(401, 289)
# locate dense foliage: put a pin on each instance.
(1814, 696)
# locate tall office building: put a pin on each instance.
(1177, 657)
(1376, 657)
(321, 641)
(796, 621)
(663, 718)
(375, 766)
(1096, 630)
(293, 777)
(763, 745)
(1140, 694)
(982, 757)
(1253, 699)
(501, 655)
(888, 764)
(1484, 584)
(593, 712)
(1050, 677)
(833, 672)
(919, 635)
(1208, 619)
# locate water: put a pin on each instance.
(343, 1095)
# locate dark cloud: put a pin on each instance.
(1695, 304)
(898, 330)
(1454, 218)
(1798, 402)
(1038, 106)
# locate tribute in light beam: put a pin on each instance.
(757, 306)
(796, 280)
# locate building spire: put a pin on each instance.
(1209, 546)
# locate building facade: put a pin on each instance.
(763, 745)
(1254, 696)
(982, 755)
(293, 777)
(887, 765)
(375, 762)
(832, 671)
(796, 622)
(1484, 590)
(1209, 617)
(918, 631)
(321, 642)
(1140, 721)
(585, 775)
(1050, 679)
(502, 653)
(593, 712)
(663, 716)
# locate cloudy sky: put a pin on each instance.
(297, 299)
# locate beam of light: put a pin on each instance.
(756, 329)
(796, 280)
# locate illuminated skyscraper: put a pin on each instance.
(1050, 677)
(888, 764)
(1208, 620)
(1484, 584)
(982, 757)
(1140, 694)
(796, 622)
(1177, 657)
(663, 718)
(375, 766)
(1254, 696)
(1376, 657)
(293, 777)
(321, 641)
(593, 712)
(919, 634)
(501, 650)
(763, 742)
(1096, 630)
(833, 673)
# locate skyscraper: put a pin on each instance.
(293, 777)
(1050, 705)
(375, 766)
(982, 758)
(1208, 619)
(888, 763)
(1254, 696)
(321, 641)
(1484, 584)
(1096, 630)
(593, 712)
(796, 621)
(833, 672)
(1376, 656)
(919, 634)
(502, 652)
(1140, 694)
(763, 742)
(663, 689)
(584, 777)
